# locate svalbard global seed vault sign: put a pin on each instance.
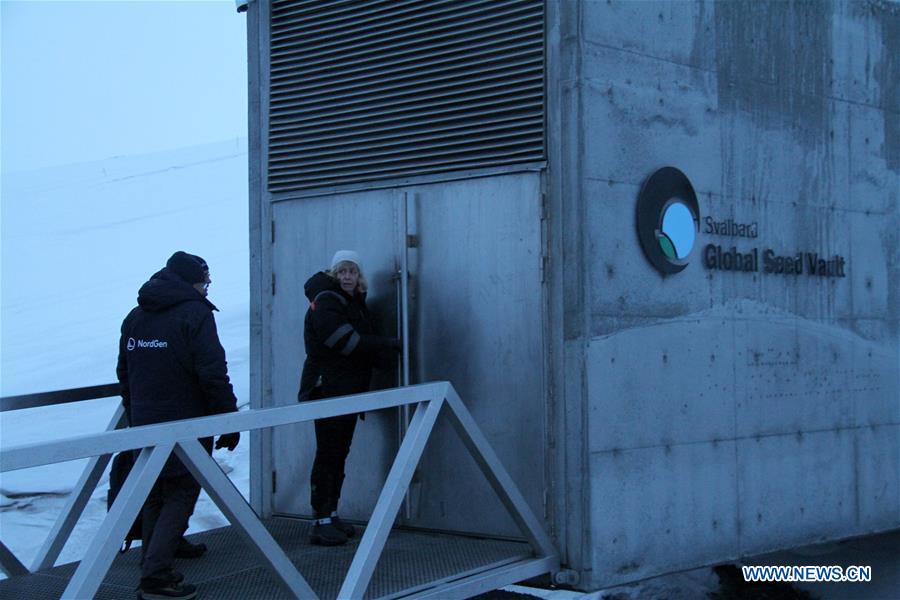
(669, 224)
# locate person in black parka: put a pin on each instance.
(172, 366)
(341, 350)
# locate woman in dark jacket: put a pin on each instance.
(341, 350)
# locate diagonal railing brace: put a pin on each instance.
(235, 508)
(385, 512)
(102, 550)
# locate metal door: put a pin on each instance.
(307, 233)
(476, 317)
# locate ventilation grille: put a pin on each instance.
(367, 90)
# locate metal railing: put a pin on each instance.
(157, 442)
(92, 392)
(81, 494)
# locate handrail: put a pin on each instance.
(93, 392)
(95, 444)
(161, 440)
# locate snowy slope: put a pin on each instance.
(76, 244)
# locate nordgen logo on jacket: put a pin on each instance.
(132, 344)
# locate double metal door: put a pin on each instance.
(475, 313)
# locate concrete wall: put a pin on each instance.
(712, 415)
(700, 417)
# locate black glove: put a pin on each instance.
(228, 440)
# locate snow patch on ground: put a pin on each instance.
(77, 242)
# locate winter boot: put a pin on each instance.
(324, 533)
(165, 585)
(348, 529)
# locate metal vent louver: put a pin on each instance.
(366, 90)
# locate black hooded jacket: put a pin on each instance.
(171, 364)
(341, 347)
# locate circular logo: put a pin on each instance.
(130, 344)
(668, 219)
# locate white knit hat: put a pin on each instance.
(345, 256)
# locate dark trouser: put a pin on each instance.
(166, 513)
(333, 438)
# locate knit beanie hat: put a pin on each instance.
(345, 256)
(189, 267)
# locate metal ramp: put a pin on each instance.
(273, 554)
(414, 564)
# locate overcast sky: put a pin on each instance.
(85, 81)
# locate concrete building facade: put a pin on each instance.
(741, 394)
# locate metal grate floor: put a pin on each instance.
(411, 561)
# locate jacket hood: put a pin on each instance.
(319, 283)
(165, 290)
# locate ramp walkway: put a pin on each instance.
(271, 558)
(414, 564)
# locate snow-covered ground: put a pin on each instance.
(77, 242)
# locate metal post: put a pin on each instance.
(404, 334)
(404, 297)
